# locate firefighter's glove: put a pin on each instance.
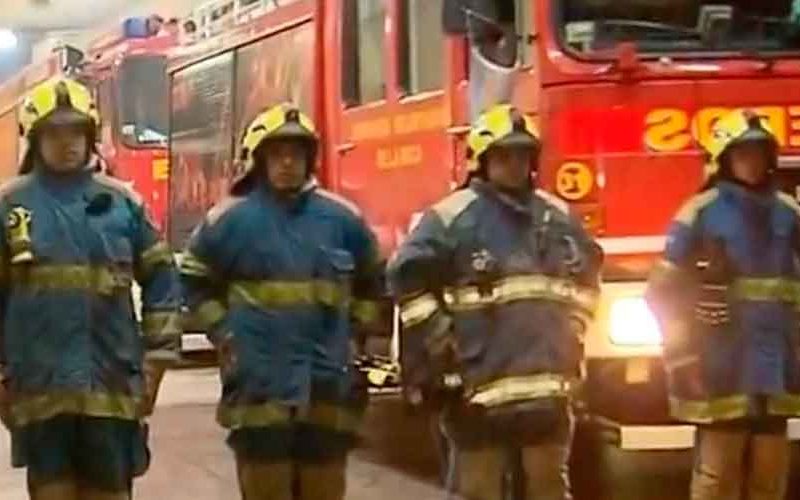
(226, 354)
(440, 344)
(711, 308)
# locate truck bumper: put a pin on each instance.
(195, 342)
(661, 437)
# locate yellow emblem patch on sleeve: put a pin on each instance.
(18, 231)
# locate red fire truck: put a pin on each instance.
(622, 89)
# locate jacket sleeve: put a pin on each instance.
(670, 292)
(203, 285)
(156, 273)
(368, 279)
(416, 277)
(587, 275)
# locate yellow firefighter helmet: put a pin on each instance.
(58, 101)
(283, 121)
(500, 126)
(737, 127)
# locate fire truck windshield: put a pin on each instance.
(143, 101)
(679, 26)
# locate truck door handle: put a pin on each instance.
(458, 130)
(345, 148)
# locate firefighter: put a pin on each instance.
(726, 297)
(496, 285)
(284, 276)
(78, 371)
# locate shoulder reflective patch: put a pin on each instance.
(13, 185)
(123, 188)
(223, 207)
(454, 205)
(789, 201)
(691, 209)
(554, 201)
(341, 200)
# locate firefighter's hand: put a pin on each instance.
(711, 308)
(226, 355)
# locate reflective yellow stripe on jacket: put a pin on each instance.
(325, 415)
(161, 324)
(101, 280)
(524, 287)
(366, 312)
(418, 309)
(269, 294)
(518, 389)
(28, 409)
(157, 255)
(767, 289)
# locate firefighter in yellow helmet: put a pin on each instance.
(725, 296)
(74, 389)
(65, 105)
(284, 276)
(496, 286)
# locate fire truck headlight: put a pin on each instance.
(633, 323)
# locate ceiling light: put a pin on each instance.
(8, 40)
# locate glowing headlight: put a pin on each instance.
(633, 324)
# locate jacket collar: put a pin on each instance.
(522, 206)
(292, 204)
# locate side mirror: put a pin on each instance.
(627, 57)
(70, 58)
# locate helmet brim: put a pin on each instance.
(517, 140)
(292, 130)
(753, 135)
(65, 118)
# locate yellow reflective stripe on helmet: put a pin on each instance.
(42, 100)
(731, 128)
(161, 324)
(492, 126)
(708, 411)
(257, 415)
(101, 280)
(157, 255)
(518, 389)
(209, 313)
(785, 405)
(767, 289)
(36, 408)
(332, 417)
(194, 266)
(267, 123)
(270, 294)
(365, 312)
(417, 310)
(524, 287)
